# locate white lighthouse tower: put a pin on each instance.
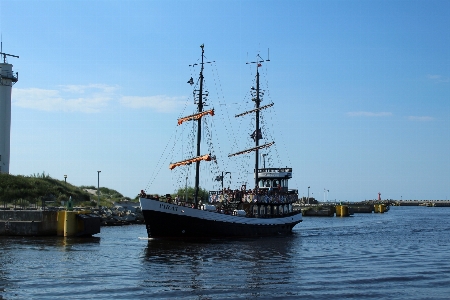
(7, 80)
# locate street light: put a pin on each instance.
(264, 159)
(220, 178)
(185, 191)
(98, 188)
(65, 178)
(308, 194)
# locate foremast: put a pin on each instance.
(199, 128)
(197, 117)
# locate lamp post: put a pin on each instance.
(65, 178)
(220, 178)
(308, 194)
(98, 188)
(264, 159)
(185, 191)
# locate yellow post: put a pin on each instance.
(67, 223)
(379, 208)
(342, 211)
(375, 208)
(61, 221)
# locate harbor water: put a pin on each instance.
(402, 254)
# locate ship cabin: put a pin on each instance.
(274, 179)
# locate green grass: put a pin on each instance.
(38, 188)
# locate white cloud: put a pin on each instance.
(368, 114)
(438, 78)
(90, 98)
(95, 98)
(82, 89)
(159, 103)
(420, 118)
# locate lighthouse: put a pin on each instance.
(7, 80)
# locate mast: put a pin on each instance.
(199, 128)
(256, 94)
(257, 130)
(257, 134)
(197, 117)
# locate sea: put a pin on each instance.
(401, 254)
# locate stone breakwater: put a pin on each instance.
(119, 215)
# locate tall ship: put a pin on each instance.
(264, 208)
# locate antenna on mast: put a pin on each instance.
(5, 54)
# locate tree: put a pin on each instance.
(182, 193)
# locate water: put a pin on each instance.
(402, 254)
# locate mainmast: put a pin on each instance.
(257, 135)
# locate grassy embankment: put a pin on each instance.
(34, 190)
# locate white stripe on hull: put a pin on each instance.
(155, 205)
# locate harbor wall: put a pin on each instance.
(28, 222)
(48, 223)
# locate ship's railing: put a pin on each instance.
(275, 170)
(265, 197)
(225, 202)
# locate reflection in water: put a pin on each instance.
(68, 242)
(46, 241)
(36, 257)
(217, 267)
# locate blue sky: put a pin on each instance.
(361, 92)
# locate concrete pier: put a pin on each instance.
(429, 203)
(47, 223)
(27, 223)
(319, 211)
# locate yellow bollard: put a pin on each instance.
(342, 211)
(379, 208)
(67, 223)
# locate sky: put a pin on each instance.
(361, 93)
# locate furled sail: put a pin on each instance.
(254, 110)
(196, 116)
(206, 157)
(252, 149)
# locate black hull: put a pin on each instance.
(172, 226)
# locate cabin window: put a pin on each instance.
(275, 183)
(267, 184)
(255, 210)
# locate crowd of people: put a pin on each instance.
(252, 196)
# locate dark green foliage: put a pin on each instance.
(36, 188)
(190, 191)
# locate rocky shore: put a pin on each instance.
(119, 215)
